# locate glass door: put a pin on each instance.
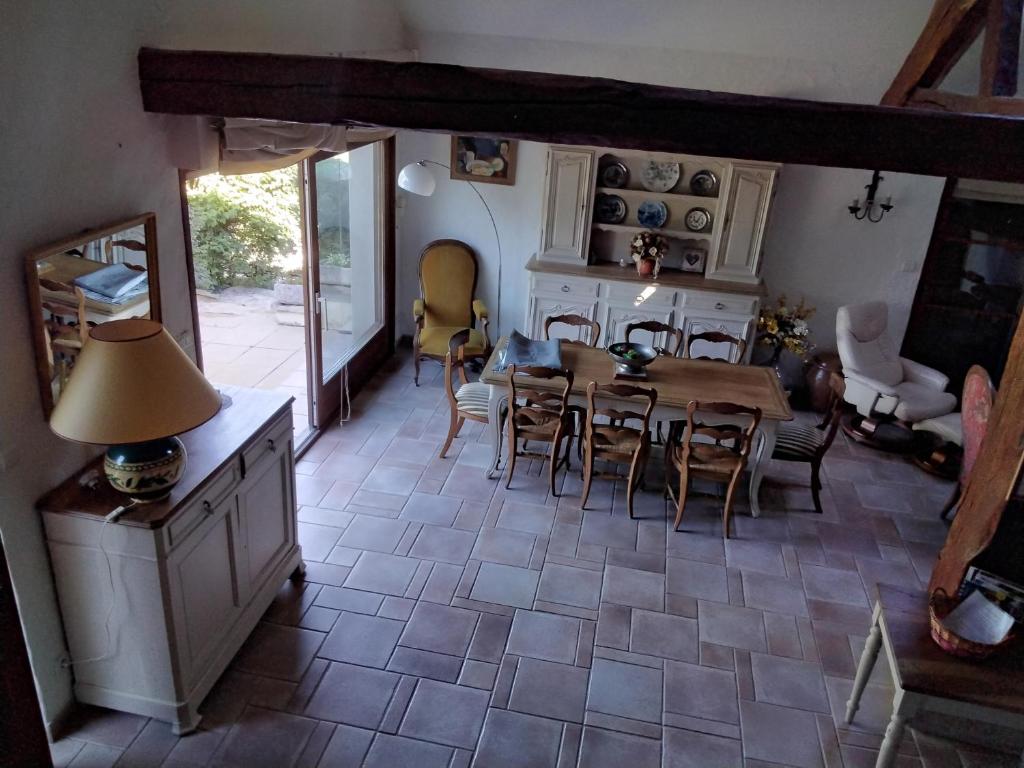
(344, 214)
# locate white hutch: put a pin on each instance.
(577, 266)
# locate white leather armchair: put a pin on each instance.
(878, 381)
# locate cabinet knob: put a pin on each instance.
(271, 445)
(719, 305)
(565, 289)
(207, 508)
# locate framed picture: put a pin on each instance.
(693, 260)
(486, 160)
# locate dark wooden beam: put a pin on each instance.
(579, 110)
(930, 98)
(1001, 51)
(951, 28)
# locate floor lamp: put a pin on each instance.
(417, 178)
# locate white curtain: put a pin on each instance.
(255, 146)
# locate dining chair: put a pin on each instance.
(710, 460)
(470, 400)
(65, 327)
(673, 335)
(538, 415)
(809, 444)
(716, 337)
(448, 273)
(578, 321)
(615, 441)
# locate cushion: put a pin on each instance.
(447, 278)
(473, 398)
(864, 345)
(918, 402)
(434, 341)
(797, 442)
(947, 427)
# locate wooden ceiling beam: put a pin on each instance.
(931, 98)
(951, 28)
(579, 110)
(1001, 51)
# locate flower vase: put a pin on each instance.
(645, 267)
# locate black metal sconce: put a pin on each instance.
(871, 207)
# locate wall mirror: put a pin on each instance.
(77, 283)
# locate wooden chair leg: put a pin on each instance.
(556, 449)
(951, 504)
(729, 494)
(511, 457)
(416, 363)
(636, 476)
(684, 491)
(588, 477)
(816, 486)
(453, 429)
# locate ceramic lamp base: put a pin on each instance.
(146, 471)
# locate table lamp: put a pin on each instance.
(134, 389)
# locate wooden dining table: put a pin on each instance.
(677, 381)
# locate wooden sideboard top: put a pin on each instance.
(606, 271)
(210, 447)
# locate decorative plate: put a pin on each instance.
(615, 175)
(704, 183)
(609, 209)
(660, 177)
(697, 219)
(652, 214)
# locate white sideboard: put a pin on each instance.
(739, 208)
(616, 296)
(189, 577)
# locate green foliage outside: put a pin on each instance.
(332, 177)
(244, 228)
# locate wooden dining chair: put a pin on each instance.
(673, 335)
(538, 415)
(716, 337)
(470, 400)
(809, 444)
(65, 327)
(717, 460)
(577, 321)
(615, 441)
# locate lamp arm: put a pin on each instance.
(497, 238)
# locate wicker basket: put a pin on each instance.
(939, 606)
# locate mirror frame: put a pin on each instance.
(148, 220)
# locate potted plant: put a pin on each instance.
(784, 328)
(648, 249)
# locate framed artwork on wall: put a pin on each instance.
(485, 160)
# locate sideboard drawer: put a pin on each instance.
(556, 285)
(718, 302)
(207, 498)
(273, 440)
(641, 295)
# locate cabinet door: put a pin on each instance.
(739, 252)
(206, 590)
(566, 227)
(737, 327)
(267, 510)
(616, 318)
(542, 307)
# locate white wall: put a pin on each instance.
(78, 152)
(813, 248)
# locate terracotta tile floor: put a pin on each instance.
(446, 621)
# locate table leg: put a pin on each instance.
(867, 662)
(765, 449)
(903, 707)
(494, 407)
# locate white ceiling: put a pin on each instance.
(854, 32)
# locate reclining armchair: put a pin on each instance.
(880, 383)
(448, 271)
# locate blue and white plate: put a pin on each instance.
(660, 177)
(652, 214)
(609, 209)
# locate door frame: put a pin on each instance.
(381, 346)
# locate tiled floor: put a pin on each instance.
(446, 621)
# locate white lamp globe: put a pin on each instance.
(418, 179)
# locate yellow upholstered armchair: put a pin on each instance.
(448, 271)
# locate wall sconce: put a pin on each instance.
(871, 210)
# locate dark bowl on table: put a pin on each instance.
(631, 354)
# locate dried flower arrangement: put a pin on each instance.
(648, 249)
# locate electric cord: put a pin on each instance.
(108, 652)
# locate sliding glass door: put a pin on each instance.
(344, 211)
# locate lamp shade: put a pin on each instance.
(132, 383)
(418, 179)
